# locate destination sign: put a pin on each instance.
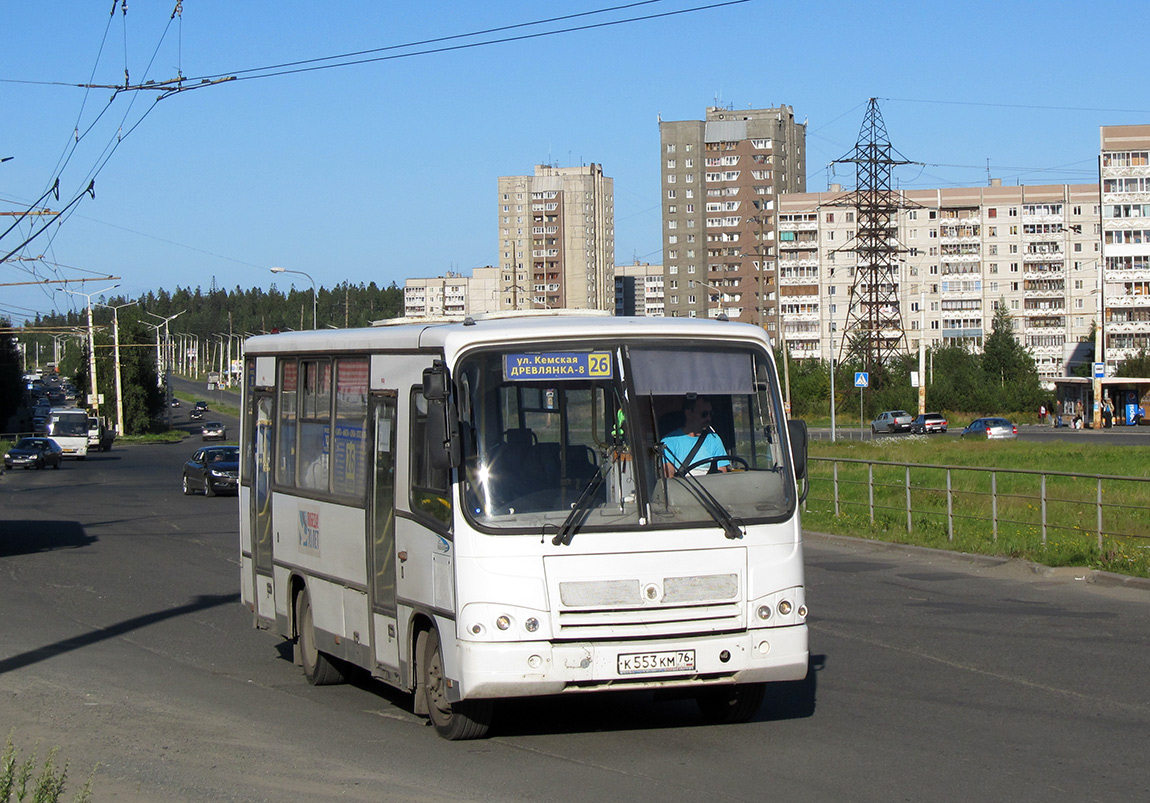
(558, 365)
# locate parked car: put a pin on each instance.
(214, 431)
(34, 453)
(891, 421)
(213, 469)
(927, 423)
(991, 429)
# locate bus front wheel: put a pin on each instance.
(729, 704)
(466, 719)
(319, 668)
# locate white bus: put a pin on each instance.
(68, 426)
(480, 509)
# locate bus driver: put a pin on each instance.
(694, 442)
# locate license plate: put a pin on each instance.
(643, 662)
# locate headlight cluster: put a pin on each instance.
(504, 623)
(785, 603)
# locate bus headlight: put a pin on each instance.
(531, 625)
(503, 622)
(764, 612)
(477, 629)
(785, 607)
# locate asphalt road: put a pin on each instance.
(933, 678)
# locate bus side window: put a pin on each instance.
(430, 487)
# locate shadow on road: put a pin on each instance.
(202, 602)
(24, 537)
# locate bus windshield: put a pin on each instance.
(625, 436)
(66, 425)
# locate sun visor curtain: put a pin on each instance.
(661, 372)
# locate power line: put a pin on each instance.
(292, 68)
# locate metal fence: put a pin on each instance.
(1093, 504)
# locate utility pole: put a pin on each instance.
(119, 378)
(94, 398)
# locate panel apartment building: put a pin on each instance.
(964, 251)
(720, 182)
(557, 239)
(1125, 175)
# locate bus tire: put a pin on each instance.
(319, 668)
(466, 719)
(729, 704)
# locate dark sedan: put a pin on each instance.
(34, 453)
(213, 470)
(927, 423)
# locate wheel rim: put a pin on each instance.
(307, 649)
(436, 693)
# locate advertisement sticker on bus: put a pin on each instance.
(558, 365)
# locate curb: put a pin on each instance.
(1094, 576)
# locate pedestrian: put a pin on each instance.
(1107, 413)
(1042, 414)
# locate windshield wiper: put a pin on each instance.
(732, 527)
(582, 507)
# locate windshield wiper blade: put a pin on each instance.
(732, 527)
(582, 507)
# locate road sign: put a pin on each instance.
(1099, 370)
(862, 379)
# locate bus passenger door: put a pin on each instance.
(262, 509)
(381, 537)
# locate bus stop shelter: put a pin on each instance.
(1074, 395)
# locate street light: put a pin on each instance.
(119, 382)
(167, 356)
(94, 399)
(313, 294)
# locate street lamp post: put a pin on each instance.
(167, 358)
(94, 399)
(119, 381)
(313, 292)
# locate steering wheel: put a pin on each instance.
(745, 466)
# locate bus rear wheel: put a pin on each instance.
(466, 719)
(730, 704)
(318, 667)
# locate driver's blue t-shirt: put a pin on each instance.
(678, 444)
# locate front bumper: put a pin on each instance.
(525, 669)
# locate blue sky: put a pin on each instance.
(385, 170)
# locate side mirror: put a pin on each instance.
(797, 430)
(442, 422)
(799, 437)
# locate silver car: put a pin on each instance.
(891, 421)
(991, 429)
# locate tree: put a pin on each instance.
(1137, 366)
(1008, 365)
(11, 375)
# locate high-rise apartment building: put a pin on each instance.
(1124, 171)
(721, 178)
(557, 239)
